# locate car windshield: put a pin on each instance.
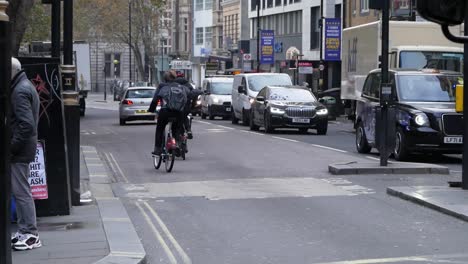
(221, 88)
(141, 93)
(451, 61)
(257, 82)
(428, 88)
(291, 95)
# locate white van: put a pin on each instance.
(246, 87)
(216, 98)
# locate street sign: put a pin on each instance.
(181, 65)
(247, 57)
(332, 39)
(305, 67)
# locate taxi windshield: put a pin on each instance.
(428, 88)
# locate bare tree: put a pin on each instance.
(19, 13)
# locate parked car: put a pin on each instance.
(246, 87)
(135, 103)
(288, 107)
(426, 120)
(216, 98)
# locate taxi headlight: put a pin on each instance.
(216, 100)
(421, 119)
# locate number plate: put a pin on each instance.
(301, 120)
(228, 109)
(453, 140)
(141, 111)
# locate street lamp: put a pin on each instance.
(130, 38)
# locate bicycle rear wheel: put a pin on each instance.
(170, 158)
(157, 160)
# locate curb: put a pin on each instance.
(352, 168)
(116, 222)
(393, 191)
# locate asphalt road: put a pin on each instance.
(244, 197)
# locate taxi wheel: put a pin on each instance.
(122, 122)
(400, 152)
(268, 128)
(362, 145)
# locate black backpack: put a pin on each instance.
(177, 97)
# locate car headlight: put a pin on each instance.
(252, 100)
(322, 112)
(199, 102)
(278, 111)
(421, 119)
(215, 100)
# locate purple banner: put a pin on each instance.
(332, 39)
(267, 43)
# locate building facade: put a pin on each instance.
(296, 24)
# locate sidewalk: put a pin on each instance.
(91, 234)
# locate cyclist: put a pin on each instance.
(173, 98)
(193, 96)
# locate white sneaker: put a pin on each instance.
(27, 241)
(15, 238)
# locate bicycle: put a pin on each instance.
(168, 150)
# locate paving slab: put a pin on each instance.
(357, 167)
(447, 200)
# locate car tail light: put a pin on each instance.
(159, 102)
(127, 102)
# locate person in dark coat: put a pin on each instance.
(24, 121)
(193, 96)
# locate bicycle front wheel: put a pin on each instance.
(170, 161)
(157, 160)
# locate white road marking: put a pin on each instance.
(185, 257)
(287, 139)
(165, 247)
(329, 148)
(118, 168)
(424, 259)
(372, 158)
(111, 165)
(203, 122)
(226, 127)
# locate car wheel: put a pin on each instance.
(203, 116)
(362, 145)
(400, 152)
(245, 118)
(268, 127)
(234, 119)
(253, 127)
(210, 114)
(303, 130)
(122, 122)
(322, 128)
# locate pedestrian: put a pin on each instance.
(24, 121)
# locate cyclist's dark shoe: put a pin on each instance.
(189, 135)
(157, 152)
(177, 152)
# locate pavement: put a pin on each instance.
(93, 232)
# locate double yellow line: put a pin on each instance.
(142, 205)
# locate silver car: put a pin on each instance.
(135, 103)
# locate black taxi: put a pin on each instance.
(426, 120)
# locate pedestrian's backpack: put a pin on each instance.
(177, 97)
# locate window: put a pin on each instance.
(338, 11)
(270, 3)
(375, 86)
(208, 34)
(198, 5)
(253, 5)
(199, 36)
(111, 69)
(364, 5)
(263, 4)
(277, 2)
(208, 4)
(314, 28)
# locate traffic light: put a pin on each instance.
(444, 12)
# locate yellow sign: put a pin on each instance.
(459, 98)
